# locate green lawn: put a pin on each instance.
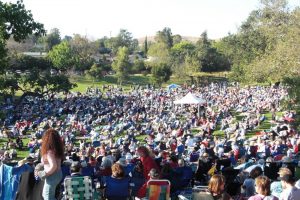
(21, 153)
(139, 79)
(136, 79)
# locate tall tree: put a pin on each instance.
(83, 52)
(52, 39)
(61, 56)
(123, 39)
(265, 45)
(16, 22)
(177, 39)
(161, 72)
(182, 54)
(210, 59)
(165, 37)
(121, 64)
(146, 46)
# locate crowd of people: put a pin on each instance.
(122, 139)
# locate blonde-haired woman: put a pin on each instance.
(262, 187)
(216, 190)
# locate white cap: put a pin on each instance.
(128, 156)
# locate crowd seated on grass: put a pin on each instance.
(123, 139)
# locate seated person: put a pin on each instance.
(154, 175)
(216, 190)
(185, 172)
(117, 186)
(262, 187)
(75, 169)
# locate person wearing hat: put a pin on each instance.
(290, 192)
(276, 187)
(130, 166)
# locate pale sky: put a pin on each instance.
(98, 18)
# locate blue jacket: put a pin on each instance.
(10, 179)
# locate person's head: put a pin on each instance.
(287, 180)
(143, 151)
(106, 162)
(122, 162)
(205, 157)
(75, 167)
(117, 171)
(138, 166)
(284, 171)
(128, 157)
(174, 158)
(216, 184)
(257, 171)
(181, 163)
(52, 141)
(166, 169)
(262, 185)
(153, 174)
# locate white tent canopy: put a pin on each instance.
(190, 99)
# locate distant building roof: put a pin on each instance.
(35, 54)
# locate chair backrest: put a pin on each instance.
(116, 188)
(201, 193)
(88, 171)
(158, 190)
(78, 187)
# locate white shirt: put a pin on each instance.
(291, 193)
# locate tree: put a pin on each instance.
(32, 76)
(67, 38)
(211, 60)
(265, 49)
(165, 37)
(95, 72)
(161, 73)
(31, 43)
(121, 64)
(52, 39)
(159, 52)
(146, 46)
(61, 56)
(138, 65)
(83, 51)
(176, 39)
(123, 39)
(18, 23)
(183, 57)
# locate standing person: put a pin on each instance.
(52, 153)
(147, 161)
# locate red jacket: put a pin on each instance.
(148, 164)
